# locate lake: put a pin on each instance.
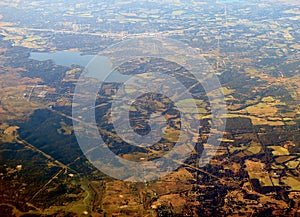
(99, 68)
(64, 58)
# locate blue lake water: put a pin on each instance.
(63, 58)
(230, 1)
(98, 68)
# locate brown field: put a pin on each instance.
(13, 104)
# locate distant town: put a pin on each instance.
(253, 48)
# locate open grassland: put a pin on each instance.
(279, 151)
(13, 104)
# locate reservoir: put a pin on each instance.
(64, 58)
(99, 68)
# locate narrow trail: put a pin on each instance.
(47, 156)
